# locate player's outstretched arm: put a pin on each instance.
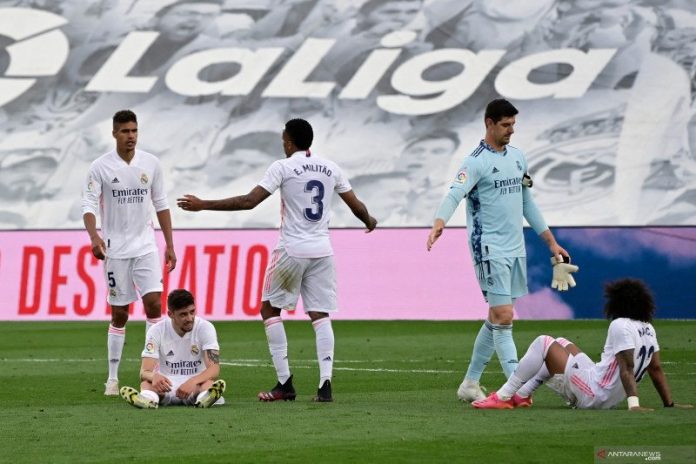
(659, 380)
(359, 209)
(238, 203)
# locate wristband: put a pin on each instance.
(632, 402)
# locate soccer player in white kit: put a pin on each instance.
(123, 185)
(302, 263)
(180, 361)
(631, 350)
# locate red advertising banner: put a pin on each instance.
(388, 274)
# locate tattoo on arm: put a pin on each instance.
(214, 356)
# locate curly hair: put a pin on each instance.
(629, 298)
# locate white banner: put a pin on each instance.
(395, 91)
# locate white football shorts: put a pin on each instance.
(581, 387)
(288, 278)
(170, 397)
(125, 278)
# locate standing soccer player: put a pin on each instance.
(123, 184)
(495, 183)
(302, 263)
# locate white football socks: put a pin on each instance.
(535, 382)
(149, 322)
(325, 348)
(115, 339)
(528, 367)
(150, 395)
(278, 346)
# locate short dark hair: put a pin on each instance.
(300, 132)
(499, 109)
(124, 116)
(179, 299)
(629, 298)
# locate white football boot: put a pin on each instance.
(111, 387)
(469, 391)
(134, 398)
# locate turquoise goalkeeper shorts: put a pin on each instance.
(502, 280)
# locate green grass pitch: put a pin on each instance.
(394, 389)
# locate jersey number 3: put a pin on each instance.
(316, 188)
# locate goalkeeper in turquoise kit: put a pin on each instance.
(495, 183)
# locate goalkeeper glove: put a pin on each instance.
(562, 277)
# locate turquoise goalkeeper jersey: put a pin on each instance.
(491, 181)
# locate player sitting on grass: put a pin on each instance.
(181, 360)
(630, 351)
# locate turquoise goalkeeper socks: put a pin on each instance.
(484, 348)
(505, 348)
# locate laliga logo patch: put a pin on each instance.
(194, 350)
(39, 49)
(150, 347)
(143, 179)
(461, 177)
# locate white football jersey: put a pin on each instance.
(624, 334)
(306, 183)
(180, 355)
(124, 194)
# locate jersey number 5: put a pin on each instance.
(316, 188)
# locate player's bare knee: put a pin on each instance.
(501, 315)
(555, 356)
(119, 316)
(153, 309)
(152, 303)
(315, 316)
(268, 311)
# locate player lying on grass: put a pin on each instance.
(181, 360)
(630, 351)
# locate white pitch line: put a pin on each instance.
(339, 361)
(297, 364)
(358, 369)
(255, 363)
